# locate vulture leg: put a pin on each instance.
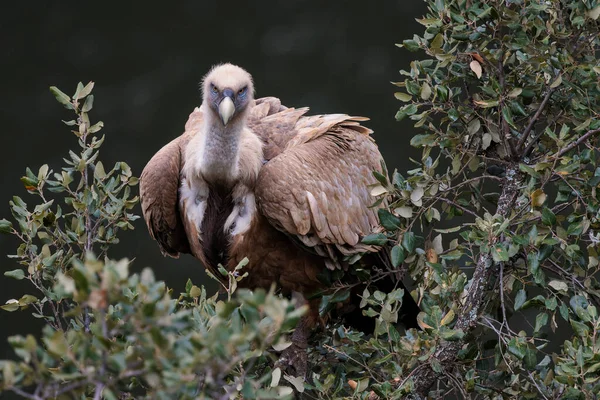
(294, 359)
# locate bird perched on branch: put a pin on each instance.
(253, 178)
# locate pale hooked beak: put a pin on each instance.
(226, 109)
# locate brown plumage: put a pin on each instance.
(253, 178)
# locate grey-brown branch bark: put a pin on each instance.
(425, 377)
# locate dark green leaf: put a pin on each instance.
(520, 299)
(389, 221)
(378, 239)
(408, 241)
(548, 217)
(397, 255)
(5, 226)
(423, 140)
(580, 328)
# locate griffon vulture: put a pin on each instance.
(253, 178)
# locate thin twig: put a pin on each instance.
(24, 394)
(506, 139)
(578, 142)
(535, 117)
(445, 200)
(477, 178)
(98, 392)
(504, 319)
(536, 385)
(527, 150)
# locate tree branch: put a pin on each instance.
(578, 142)
(454, 204)
(506, 138)
(476, 296)
(535, 117)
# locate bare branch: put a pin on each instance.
(578, 142)
(533, 120)
(506, 138)
(454, 204)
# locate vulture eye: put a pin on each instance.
(243, 91)
(214, 89)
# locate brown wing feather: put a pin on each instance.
(161, 178)
(317, 189)
(159, 185)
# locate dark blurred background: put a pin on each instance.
(147, 60)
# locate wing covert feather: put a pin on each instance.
(317, 189)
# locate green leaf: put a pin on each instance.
(507, 114)
(437, 42)
(17, 274)
(410, 45)
(424, 139)
(540, 321)
(61, 97)
(453, 114)
(377, 239)
(451, 334)
(425, 91)
(397, 255)
(564, 311)
(11, 305)
(89, 102)
(556, 82)
(86, 90)
(548, 217)
(405, 111)
(533, 263)
(5, 226)
(27, 299)
(389, 221)
(594, 13)
(499, 253)
(403, 96)
(515, 92)
(580, 328)
(222, 270)
(530, 357)
(516, 348)
(195, 291)
(520, 299)
(381, 178)
(408, 241)
(559, 286)
(99, 172)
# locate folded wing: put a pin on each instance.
(316, 189)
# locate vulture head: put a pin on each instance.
(227, 91)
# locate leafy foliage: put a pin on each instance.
(497, 224)
(114, 335)
(507, 98)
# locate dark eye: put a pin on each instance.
(214, 89)
(242, 91)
